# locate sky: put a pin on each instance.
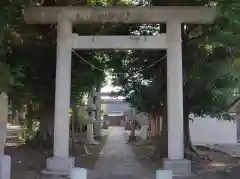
(108, 88)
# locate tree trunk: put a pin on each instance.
(164, 132)
(189, 151)
(162, 140)
(29, 116)
(47, 123)
(13, 115)
(165, 116)
(165, 137)
(97, 125)
(132, 136)
(133, 127)
(75, 127)
(187, 138)
(72, 127)
(46, 129)
(74, 120)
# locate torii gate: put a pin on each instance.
(66, 41)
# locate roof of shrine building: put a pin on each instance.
(118, 14)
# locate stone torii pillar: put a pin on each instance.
(61, 162)
(173, 16)
(175, 160)
(5, 160)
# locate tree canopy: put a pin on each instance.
(210, 63)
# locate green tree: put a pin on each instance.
(209, 73)
(29, 52)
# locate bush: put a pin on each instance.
(40, 141)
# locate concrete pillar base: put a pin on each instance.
(59, 166)
(179, 168)
(5, 167)
(78, 173)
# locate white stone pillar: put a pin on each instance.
(237, 118)
(174, 91)
(63, 88)
(3, 121)
(175, 161)
(164, 174)
(61, 163)
(5, 160)
(78, 173)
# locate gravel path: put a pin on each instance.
(118, 161)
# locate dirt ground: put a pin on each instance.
(28, 163)
(218, 162)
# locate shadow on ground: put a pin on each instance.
(89, 161)
(221, 165)
(28, 163)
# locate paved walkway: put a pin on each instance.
(117, 160)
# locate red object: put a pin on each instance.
(153, 127)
